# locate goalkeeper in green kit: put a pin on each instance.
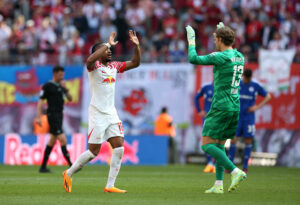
(222, 119)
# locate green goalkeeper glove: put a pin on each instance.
(220, 25)
(190, 35)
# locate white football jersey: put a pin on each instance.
(102, 85)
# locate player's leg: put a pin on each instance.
(232, 148)
(208, 159)
(55, 129)
(84, 158)
(115, 136)
(63, 144)
(210, 147)
(95, 138)
(115, 164)
(214, 128)
(237, 175)
(96, 132)
(50, 144)
(62, 137)
(223, 124)
(210, 166)
(217, 188)
(248, 134)
(219, 168)
(247, 153)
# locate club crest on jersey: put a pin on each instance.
(109, 80)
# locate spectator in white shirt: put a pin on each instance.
(277, 43)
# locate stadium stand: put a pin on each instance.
(50, 31)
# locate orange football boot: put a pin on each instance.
(67, 182)
(114, 190)
(209, 168)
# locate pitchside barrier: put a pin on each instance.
(256, 159)
(28, 150)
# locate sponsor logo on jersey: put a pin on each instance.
(109, 80)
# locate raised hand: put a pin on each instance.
(133, 37)
(190, 35)
(220, 25)
(111, 39)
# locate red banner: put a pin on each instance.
(283, 110)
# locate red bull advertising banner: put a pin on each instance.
(29, 150)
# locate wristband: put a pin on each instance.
(108, 45)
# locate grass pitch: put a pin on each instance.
(147, 185)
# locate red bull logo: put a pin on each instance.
(109, 80)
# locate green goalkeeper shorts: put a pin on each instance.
(220, 124)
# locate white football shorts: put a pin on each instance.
(103, 126)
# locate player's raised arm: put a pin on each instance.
(136, 59)
(192, 54)
(90, 62)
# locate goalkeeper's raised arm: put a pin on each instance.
(210, 59)
(193, 57)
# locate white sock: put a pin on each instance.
(219, 182)
(115, 165)
(84, 158)
(235, 170)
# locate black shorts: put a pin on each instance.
(55, 123)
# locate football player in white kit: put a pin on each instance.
(104, 123)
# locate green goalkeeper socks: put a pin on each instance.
(219, 168)
(219, 155)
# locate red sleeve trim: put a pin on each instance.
(122, 67)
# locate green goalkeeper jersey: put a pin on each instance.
(228, 67)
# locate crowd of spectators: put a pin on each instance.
(62, 31)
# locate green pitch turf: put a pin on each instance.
(146, 185)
